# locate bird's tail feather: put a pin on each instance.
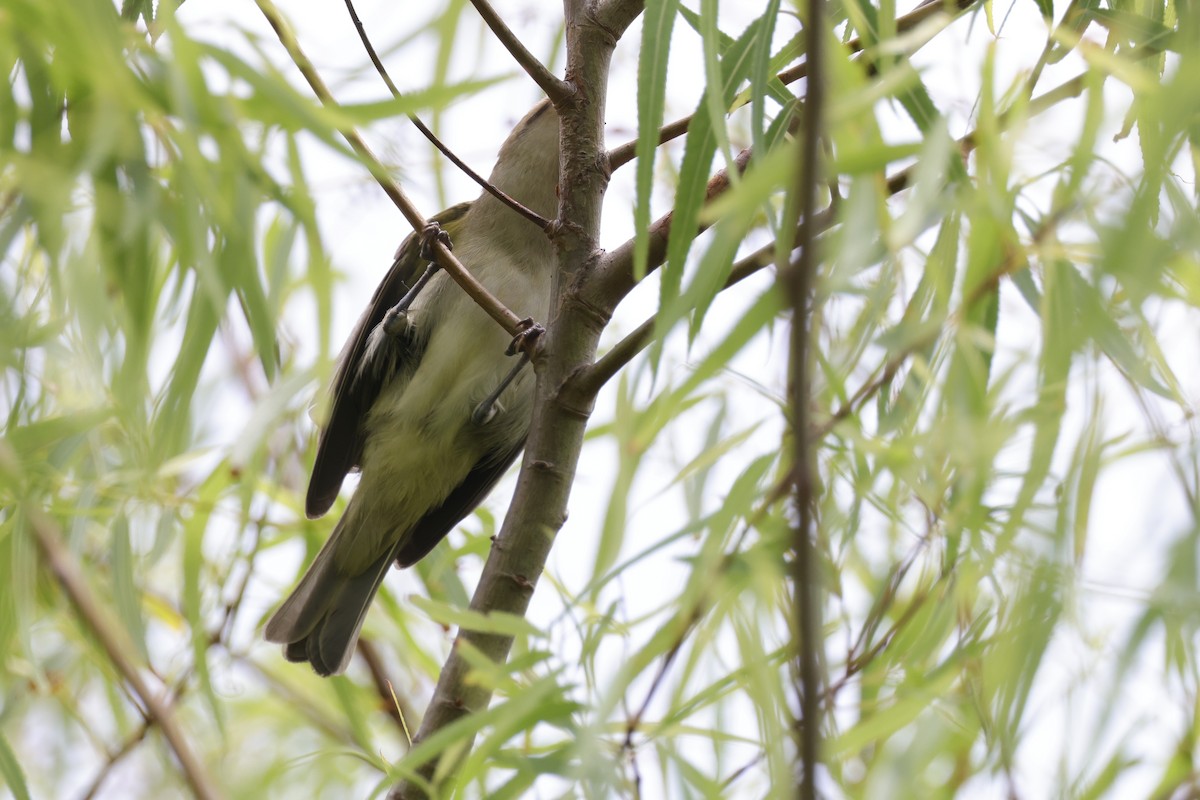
(320, 620)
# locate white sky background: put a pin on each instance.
(1137, 507)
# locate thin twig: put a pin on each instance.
(134, 739)
(445, 259)
(118, 648)
(700, 607)
(742, 770)
(859, 654)
(527, 213)
(606, 367)
(115, 757)
(634, 721)
(557, 90)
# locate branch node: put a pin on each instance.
(597, 315)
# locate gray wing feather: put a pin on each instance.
(355, 389)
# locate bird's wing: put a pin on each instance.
(433, 527)
(354, 390)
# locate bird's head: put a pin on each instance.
(527, 165)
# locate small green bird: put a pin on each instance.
(403, 396)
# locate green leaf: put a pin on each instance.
(10, 768)
(193, 569)
(498, 623)
(126, 592)
(350, 702)
(658, 22)
(880, 725)
(698, 153)
(760, 76)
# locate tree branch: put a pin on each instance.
(618, 14)
(538, 509)
(1013, 262)
(115, 757)
(445, 259)
(558, 91)
(797, 280)
(561, 407)
(619, 262)
(118, 648)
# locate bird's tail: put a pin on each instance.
(320, 620)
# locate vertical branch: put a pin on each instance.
(798, 278)
(560, 409)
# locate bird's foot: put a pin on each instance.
(432, 233)
(397, 322)
(526, 341)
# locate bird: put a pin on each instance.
(403, 396)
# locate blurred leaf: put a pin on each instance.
(496, 623)
(881, 724)
(700, 146)
(126, 590)
(653, 57)
(10, 768)
(193, 567)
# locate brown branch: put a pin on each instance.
(617, 14)
(527, 213)
(218, 636)
(700, 605)
(1013, 261)
(118, 648)
(538, 510)
(445, 259)
(558, 91)
(560, 412)
(115, 757)
(798, 279)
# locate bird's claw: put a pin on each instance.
(527, 338)
(396, 322)
(433, 232)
